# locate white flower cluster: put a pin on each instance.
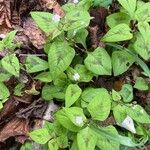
(76, 77)
(79, 120)
(56, 18)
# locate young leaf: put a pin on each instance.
(4, 92)
(11, 64)
(118, 33)
(106, 144)
(59, 57)
(116, 96)
(44, 77)
(99, 62)
(99, 107)
(40, 136)
(35, 64)
(141, 84)
(53, 145)
(118, 18)
(129, 5)
(73, 92)
(127, 93)
(121, 61)
(45, 21)
(18, 89)
(86, 139)
(138, 114)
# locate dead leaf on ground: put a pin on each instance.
(35, 35)
(15, 127)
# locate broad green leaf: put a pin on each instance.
(88, 95)
(118, 18)
(103, 3)
(50, 91)
(76, 19)
(18, 89)
(100, 106)
(4, 92)
(99, 131)
(73, 92)
(35, 64)
(127, 93)
(40, 136)
(4, 75)
(129, 5)
(115, 95)
(44, 77)
(121, 61)
(141, 84)
(11, 64)
(119, 113)
(71, 118)
(45, 21)
(86, 139)
(143, 12)
(74, 145)
(53, 145)
(118, 33)
(142, 47)
(59, 57)
(137, 113)
(84, 4)
(80, 37)
(105, 144)
(99, 62)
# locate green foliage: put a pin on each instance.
(98, 62)
(104, 3)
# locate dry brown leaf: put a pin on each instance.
(15, 127)
(36, 36)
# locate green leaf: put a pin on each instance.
(27, 146)
(11, 64)
(80, 37)
(137, 113)
(59, 57)
(73, 92)
(40, 136)
(18, 89)
(106, 144)
(45, 21)
(44, 77)
(88, 95)
(4, 75)
(50, 91)
(99, 62)
(121, 61)
(103, 3)
(76, 19)
(118, 18)
(52, 145)
(141, 84)
(35, 64)
(71, 118)
(86, 139)
(116, 137)
(118, 33)
(129, 5)
(127, 93)
(62, 80)
(116, 96)
(100, 106)
(143, 12)
(119, 113)
(4, 92)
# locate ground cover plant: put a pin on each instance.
(75, 75)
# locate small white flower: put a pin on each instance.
(74, 33)
(75, 1)
(56, 18)
(79, 120)
(76, 76)
(2, 36)
(141, 111)
(128, 124)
